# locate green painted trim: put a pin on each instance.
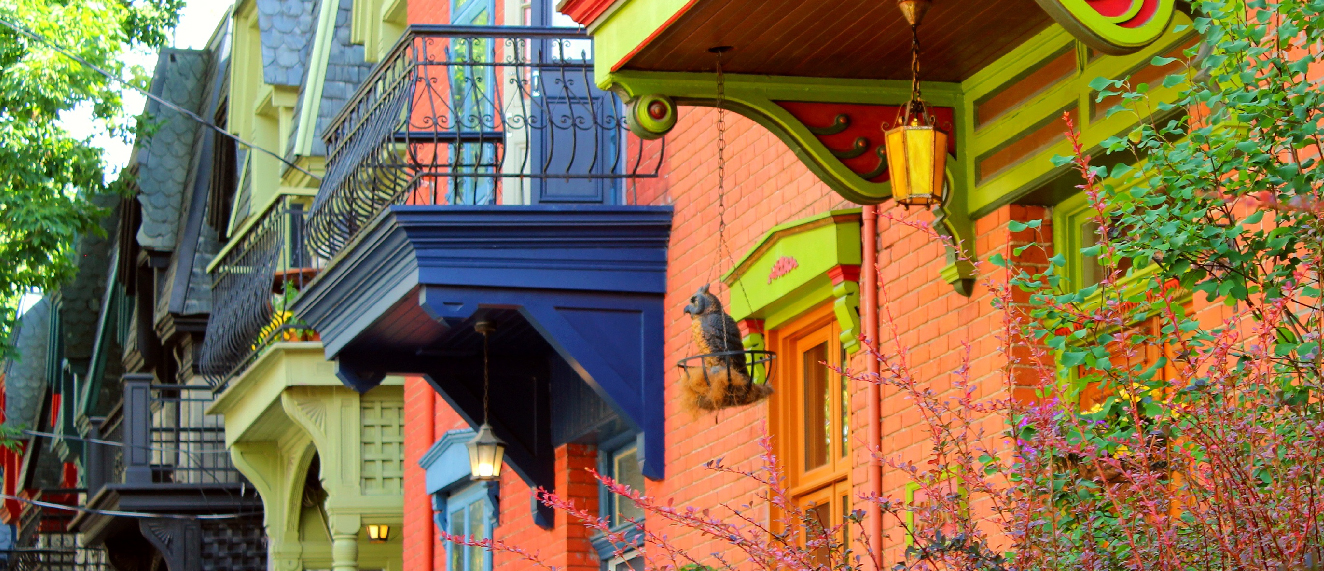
(1032, 172)
(238, 236)
(755, 97)
(1106, 34)
(627, 28)
(316, 80)
(817, 244)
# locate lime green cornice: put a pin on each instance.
(627, 27)
(289, 406)
(656, 97)
(756, 97)
(789, 272)
(1117, 34)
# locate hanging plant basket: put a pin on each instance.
(726, 379)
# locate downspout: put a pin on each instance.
(873, 391)
(431, 434)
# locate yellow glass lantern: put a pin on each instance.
(485, 455)
(916, 148)
(379, 533)
(917, 161)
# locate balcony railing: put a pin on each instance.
(476, 115)
(44, 543)
(256, 279)
(170, 438)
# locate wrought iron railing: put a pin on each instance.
(476, 115)
(44, 543)
(253, 285)
(170, 438)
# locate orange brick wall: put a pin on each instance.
(766, 185)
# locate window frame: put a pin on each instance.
(448, 503)
(833, 480)
(1070, 218)
(608, 450)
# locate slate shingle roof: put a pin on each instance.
(81, 298)
(345, 71)
(287, 28)
(25, 376)
(163, 161)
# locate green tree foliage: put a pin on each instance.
(46, 174)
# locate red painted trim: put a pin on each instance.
(585, 12)
(750, 327)
(844, 273)
(653, 36)
(55, 410)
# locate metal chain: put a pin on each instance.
(914, 63)
(721, 157)
(485, 377)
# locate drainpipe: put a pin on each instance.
(873, 392)
(430, 433)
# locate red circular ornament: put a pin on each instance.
(657, 110)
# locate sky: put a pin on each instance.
(196, 24)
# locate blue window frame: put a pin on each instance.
(468, 512)
(618, 459)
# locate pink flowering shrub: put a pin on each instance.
(1173, 418)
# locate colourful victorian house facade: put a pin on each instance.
(325, 459)
(779, 202)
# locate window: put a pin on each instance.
(811, 416)
(1076, 228)
(624, 468)
(618, 458)
(469, 514)
(630, 561)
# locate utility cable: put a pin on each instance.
(121, 444)
(191, 115)
(194, 455)
(135, 515)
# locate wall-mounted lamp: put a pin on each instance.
(379, 533)
(485, 450)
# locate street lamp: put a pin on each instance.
(485, 450)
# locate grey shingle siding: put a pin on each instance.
(164, 159)
(286, 27)
(25, 376)
(81, 298)
(345, 71)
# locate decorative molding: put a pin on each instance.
(752, 338)
(820, 244)
(586, 283)
(178, 540)
(834, 126)
(315, 410)
(1114, 27)
(846, 304)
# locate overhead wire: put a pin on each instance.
(187, 113)
(129, 514)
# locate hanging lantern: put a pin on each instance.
(917, 159)
(485, 454)
(485, 450)
(916, 148)
(379, 533)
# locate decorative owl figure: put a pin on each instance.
(722, 381)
